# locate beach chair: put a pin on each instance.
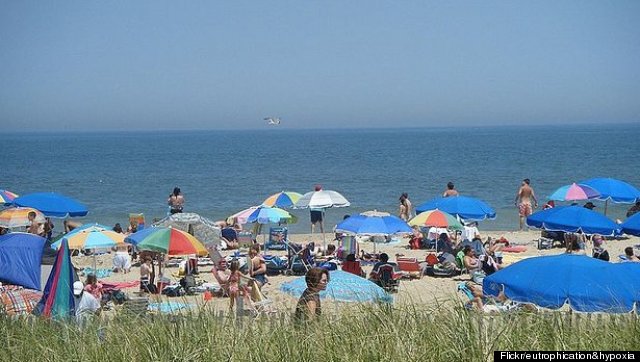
(410, 267)
(300, 260)
(353, 267)
(136, 306)
(348, 245)
(277, 238)
(245, 239)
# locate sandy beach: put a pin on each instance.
(427, 291)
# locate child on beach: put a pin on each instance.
(232, 283)
(92, 286)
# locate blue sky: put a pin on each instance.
(120, 65)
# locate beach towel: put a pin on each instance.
(169, 307)
(108, 286)
(19, 301)
(99, 273)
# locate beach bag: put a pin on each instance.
(173, 291)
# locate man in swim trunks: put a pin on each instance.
(523, 201)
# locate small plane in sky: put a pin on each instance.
(272, 121)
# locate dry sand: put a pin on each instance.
(427, 291)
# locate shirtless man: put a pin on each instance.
(450, 191)
(523, 201)
(175, 201)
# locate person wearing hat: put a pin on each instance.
(598, 250)
(589, 205)
(86, 304)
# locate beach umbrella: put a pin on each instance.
(343, 287)
(321, 199)
(631, 226)
(464, 207)
(282, 199)
(200, 227)
(92, 237)
(574, 192)
(168, 241)
(52, 204)
(268, 215)
(15, 217)
(586, 284)
(7, 197)
(436, 218)
(573, 219)
(57, 299)
(613, 190)
(20, 256)
(373, 223)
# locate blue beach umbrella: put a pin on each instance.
(587, 284)
(52, 204)
(632, 225)
(344, 287)
(573, 219)
(373, 223)
(614, 190)
(467, 208)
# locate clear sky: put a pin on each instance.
(117, 65)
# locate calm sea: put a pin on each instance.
(222, 172)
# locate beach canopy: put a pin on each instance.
(7, 197)
(574, 192)
(436, 218)
(282, 199)
(57, 299)
(168, 241)
(373, 223)
(573, 219)
(201, 227)
(321, 199)
(52, 204)
(15, 217)
(20, 256)
(586, 284)
(614, 190)
(631, 226)
(465, 207)
(344, 287)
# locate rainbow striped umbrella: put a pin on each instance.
(282, 199)
(57, 300)
(263, 215)
(436, 218)
(6, 197)
(574, 192)
(15, 217)
(168, 241)
(92, 237)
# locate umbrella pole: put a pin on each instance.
(324, 242)
(606, 202)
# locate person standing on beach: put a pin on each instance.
(317, 215)
(175, 201)
(450, 191)
(405, 207)
(523, 201)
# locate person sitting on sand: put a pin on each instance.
(146, 276)
(416, 238)
(117, 228)
(628, 252)
(598, 251)
(70, 225)
(479, 301)
(257, 266)
(309, 307)
(445, 245)
(34, 227)
(384, 260)
(450, 191)
(122, 259)
(92, 286)
(575, 243)
(86, 304)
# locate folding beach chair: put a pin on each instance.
(277, 239)
(348, 245)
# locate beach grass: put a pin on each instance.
(365, 333)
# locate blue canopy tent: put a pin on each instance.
(632, 225)
(373, 223)
(467, 208)
(614, 190)
(344, 287)
(586, 284)
(52, 204)
(573, 219)
(20, 257)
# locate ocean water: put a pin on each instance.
(222, 172)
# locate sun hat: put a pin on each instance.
(78, 287)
